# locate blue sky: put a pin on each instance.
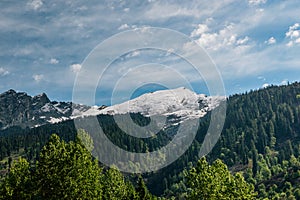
(43, 43)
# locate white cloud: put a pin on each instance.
(271, 40)
(242, 40)
(290, 44)
(38, 77)
(123, 27)
(3, 72)
(75, 68)
(215, 40)
(162, 9)
(35, 4)
(54, 61)
(293, 34)
(202, 28)
(256, 2)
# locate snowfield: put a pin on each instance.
(180, 102)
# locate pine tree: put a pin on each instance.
(114, 185)
(67, 171)
(142, 191)
(215, 182)
(18, 183)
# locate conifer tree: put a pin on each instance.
(215, 182)
(67, 171)
(18, 183)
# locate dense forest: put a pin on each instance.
(259, 149)
(68, 171)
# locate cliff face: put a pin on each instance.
(20, 109)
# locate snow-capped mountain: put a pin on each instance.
(180, 102)
(20, 109)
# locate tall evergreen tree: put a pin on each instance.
(67, 171)
(18, 184)
(215, 182)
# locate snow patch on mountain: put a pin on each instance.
(180, 102)
(20, 109)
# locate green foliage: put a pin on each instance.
(115, 186)
(142, 191)
(85, 139)
(18, 184)
(67, 171)
(215, 182)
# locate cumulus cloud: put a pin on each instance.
(75, 68)
(215, 40)
(35, 4)
(54, 61)
(271, 40)
(38, 77)
(123, 27)
(242, 41)
(202, 28)
(256, 2)
(293, 34)
(3, 72)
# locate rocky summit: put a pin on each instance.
(20, 109)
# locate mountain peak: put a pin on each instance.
(9, 92)
(180, 102)
(42, 98)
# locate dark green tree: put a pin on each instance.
(67, 171)
(142, 191)
(115, 186)
(18, 183)
(215, 182)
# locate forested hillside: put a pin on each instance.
(260, 140)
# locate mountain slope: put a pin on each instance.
(20, 109)
(180, 102)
